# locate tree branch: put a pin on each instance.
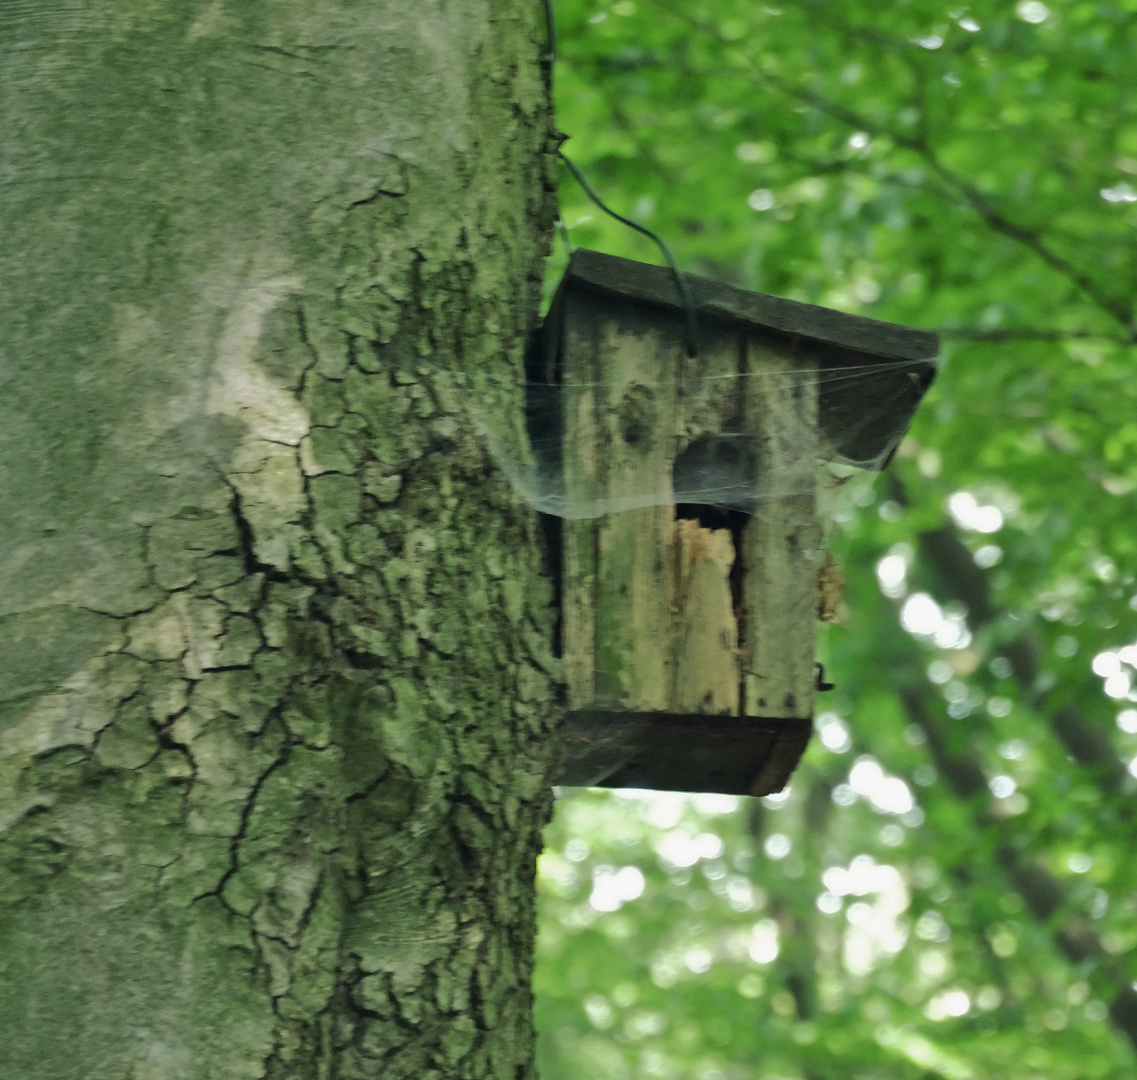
(963, 188)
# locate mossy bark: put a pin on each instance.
(276, 694)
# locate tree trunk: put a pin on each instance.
(276, 699)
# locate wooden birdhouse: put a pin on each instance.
(685, 491)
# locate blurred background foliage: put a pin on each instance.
(947, 889)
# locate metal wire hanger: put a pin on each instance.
(685, 294)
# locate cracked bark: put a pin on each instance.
(275, 714)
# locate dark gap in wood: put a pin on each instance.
(546, 430)
(737, 579)
(553, 545)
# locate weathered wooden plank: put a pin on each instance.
(581, 478)
(704, 627)
(619, 381)
(703, 643)
(780, 542)
(636, 367)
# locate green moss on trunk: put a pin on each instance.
(275, 744)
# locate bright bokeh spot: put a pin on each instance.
(665, 809)
(891, 572)
(953, 1003)
(1118, 686)
(1002, 787)
(711, 804)
(778, 798)
(577, 850)
(921, 615)
(763, 947)
(828, 903)
(677, 848)
(1127, 721)
(1032, 11)
(761, 199)
(833, 732)
(987, 556)
(612, 888)
(1106, 664)
(777, 846)
(970, 515)
(875, 931)
(886, 794)
(698, 960)
(1119, 193)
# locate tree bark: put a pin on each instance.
(276, 700)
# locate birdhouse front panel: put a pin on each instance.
(695, 593)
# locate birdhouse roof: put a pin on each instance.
(649, 284)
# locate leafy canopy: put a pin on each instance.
(947, 890)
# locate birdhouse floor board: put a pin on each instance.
(668, 752)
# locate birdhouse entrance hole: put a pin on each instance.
(710, 478)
